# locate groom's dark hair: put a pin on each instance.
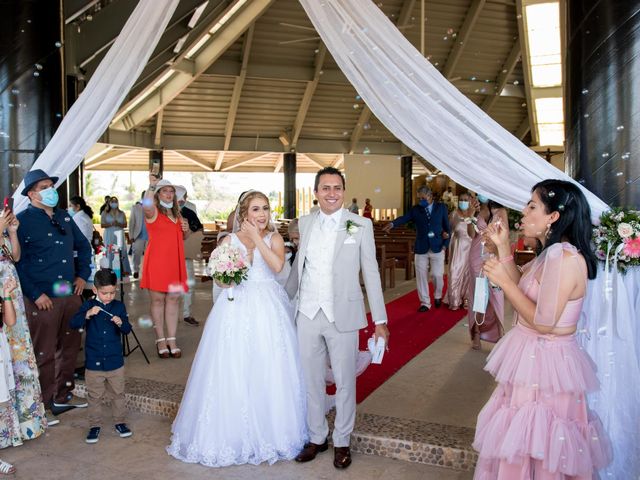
(328, 171)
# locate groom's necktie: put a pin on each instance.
(327, 224)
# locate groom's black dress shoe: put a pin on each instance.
(438, 302)
(423, 308)
(341, 457)
(310, 451)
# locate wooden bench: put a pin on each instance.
(385, 265)
(521, 257)
(401, 249)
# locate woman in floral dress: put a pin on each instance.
(23, 418)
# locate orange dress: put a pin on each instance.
(164, 268)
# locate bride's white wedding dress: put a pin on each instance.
(245, 400)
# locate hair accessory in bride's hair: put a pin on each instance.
(237, 222)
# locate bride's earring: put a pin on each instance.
(547, 232)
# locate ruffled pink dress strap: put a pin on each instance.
(544, 275)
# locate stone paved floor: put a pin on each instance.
(63, 454)
(444, 384)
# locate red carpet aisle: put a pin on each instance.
(411, 333)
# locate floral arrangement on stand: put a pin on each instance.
(617, 238)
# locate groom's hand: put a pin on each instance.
(382, 331)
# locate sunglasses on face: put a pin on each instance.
(60, 228)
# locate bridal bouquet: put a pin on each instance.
(227, 265)
(617, 238)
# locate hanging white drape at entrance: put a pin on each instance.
(424, 110)
(90, 115)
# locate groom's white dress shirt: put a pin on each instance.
(316, 289)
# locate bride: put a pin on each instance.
(245, 400)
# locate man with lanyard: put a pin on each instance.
(192, 248)
(53, 270)
(432, 238)
(138, 235)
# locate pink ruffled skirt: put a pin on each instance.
(537, 424)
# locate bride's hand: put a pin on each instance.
(251, 230)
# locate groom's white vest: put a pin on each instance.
(334, 284)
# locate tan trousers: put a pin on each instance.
(109, 387)
(56, 346)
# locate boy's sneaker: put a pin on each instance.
(51, 418)
(123, 430)
(93, 435)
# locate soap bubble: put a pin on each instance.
(145, 321)
(176, 288)
(62, 289)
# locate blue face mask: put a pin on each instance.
(71, 211)
(49, 197)
(483, 199)
(113, 205)
(423, 203)
(463, 205)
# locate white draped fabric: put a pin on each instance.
(610, 333)
(424, 110)
(90, 115)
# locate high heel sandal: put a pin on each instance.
(165, 352)
(176, 352)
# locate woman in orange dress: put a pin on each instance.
(164, 271)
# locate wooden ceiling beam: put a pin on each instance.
(463, 37)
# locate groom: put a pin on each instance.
(325, 278)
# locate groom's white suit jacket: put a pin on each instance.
(352, 253)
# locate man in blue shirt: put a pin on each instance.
(432, 238)
(53, 270)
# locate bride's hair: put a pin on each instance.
(243, 206)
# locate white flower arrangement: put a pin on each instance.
(618, 238)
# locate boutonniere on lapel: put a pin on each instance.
(352, 228)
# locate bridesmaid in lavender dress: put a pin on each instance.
(488, 327)
(459, 254)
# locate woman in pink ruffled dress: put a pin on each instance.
(537, 424)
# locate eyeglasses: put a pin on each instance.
(60, 228)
